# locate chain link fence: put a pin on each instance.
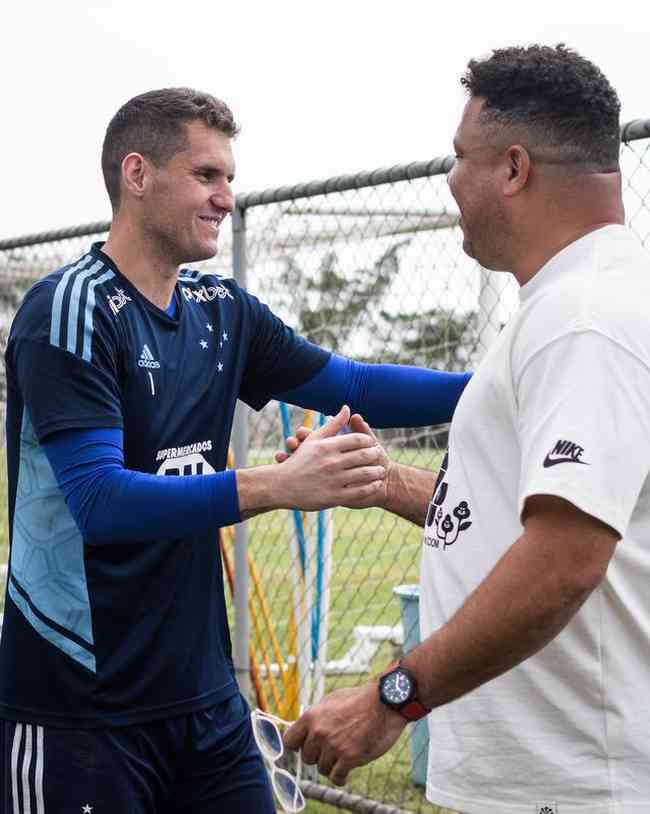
(370, 266)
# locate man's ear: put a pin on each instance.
(135, 174)
(517, 169)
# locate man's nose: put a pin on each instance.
(224, 198)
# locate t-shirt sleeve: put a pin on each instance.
(278, 358)
(584, 426)
(64, 388)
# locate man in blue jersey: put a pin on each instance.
(117, 689)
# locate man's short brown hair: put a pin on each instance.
(154, 125)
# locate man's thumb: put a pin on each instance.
(359, 424)
(334, 425)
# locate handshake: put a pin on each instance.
(322, 469)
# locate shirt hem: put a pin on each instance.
(83, 423)
(468, 805)
(583, 502)
(110, 720)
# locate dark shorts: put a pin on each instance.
(204, 763)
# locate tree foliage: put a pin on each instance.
(330, 304)
(334, 307)
(437, 338)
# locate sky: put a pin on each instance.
(319, 89)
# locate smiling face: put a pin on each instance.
(189, 196)
(475, 181)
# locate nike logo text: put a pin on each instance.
(564, 452)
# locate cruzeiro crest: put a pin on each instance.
(444, 526)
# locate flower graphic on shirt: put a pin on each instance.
(449, 529)
(442, 528)
(447, 525)
(462, 512)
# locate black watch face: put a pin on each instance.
(396, 688)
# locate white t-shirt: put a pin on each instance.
(560, 405)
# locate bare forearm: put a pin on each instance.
(408, 492)
(521, 606)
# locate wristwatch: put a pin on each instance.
(399, 690)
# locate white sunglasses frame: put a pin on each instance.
(258, 714)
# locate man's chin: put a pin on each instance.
(483, 261)
(468, 249)
(203, 252)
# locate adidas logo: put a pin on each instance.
(146, 359)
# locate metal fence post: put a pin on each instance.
(240, 449)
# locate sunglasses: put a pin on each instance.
(269, 740)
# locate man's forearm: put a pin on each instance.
(409, 491)
(526, 600)
(375, 391)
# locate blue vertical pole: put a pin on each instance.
(297, 516)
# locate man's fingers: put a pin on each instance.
(366, 456)
(350, 441)
(355, 458)
(294, 737)
(356, 495)
(340, 443)
(339, 773)
(292, 443)
(359, 424)
(326, 761)
(364, 474)
(335, 425)
(311, 750)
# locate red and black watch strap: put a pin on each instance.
(412, 710)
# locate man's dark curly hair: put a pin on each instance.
(153, 124)
(561, 101)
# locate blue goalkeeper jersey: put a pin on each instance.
(115, 634)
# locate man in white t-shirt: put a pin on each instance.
(535, 598)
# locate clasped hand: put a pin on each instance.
(337, 470)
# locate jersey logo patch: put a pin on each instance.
(146, 359)
(564, 452)
(118, 300)
(205, 293)
(193, 464)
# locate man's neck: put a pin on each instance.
(566, 214)
(538, 257)
(142, 263)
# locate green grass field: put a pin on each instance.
(373, 552)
